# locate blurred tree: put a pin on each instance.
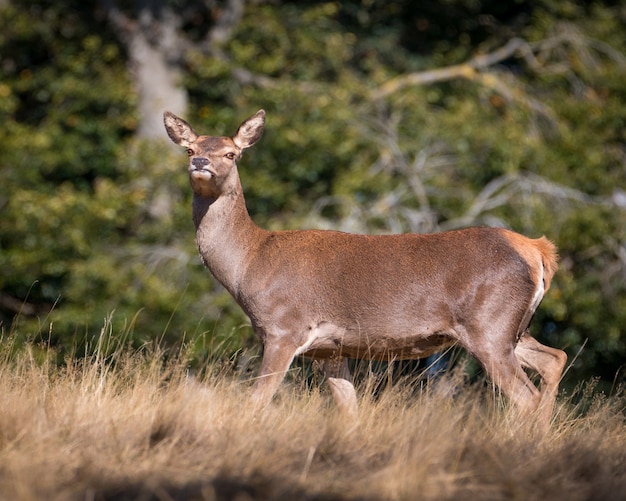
(157, 34)
(382, 116)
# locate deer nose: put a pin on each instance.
(200, 162)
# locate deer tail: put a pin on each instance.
(549, 259)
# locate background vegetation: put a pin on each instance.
(382, 117)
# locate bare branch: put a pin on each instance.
(466, 70)
(470, 70)
(512, 91)
(502, 190)
(19, 306)
(474, 69)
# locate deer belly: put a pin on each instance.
(327, 340)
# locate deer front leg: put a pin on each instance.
(339, 379)
(277, 357)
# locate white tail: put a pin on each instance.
(332, 296)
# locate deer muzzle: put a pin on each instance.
(200, 162)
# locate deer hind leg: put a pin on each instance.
(548, 363)
(506, 372)
(339, 380)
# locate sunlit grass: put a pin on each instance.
(137, 424)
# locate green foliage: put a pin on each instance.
(94, 221)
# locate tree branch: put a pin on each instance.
(15, 305)
(465, 70)
(516, 47)
(471, 70)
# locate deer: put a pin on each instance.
(333, 296)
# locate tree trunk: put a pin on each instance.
(156, 46)
(155, 53)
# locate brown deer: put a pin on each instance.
(331, 296)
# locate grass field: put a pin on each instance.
(134, 426)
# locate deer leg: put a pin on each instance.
(339, 380)
(277, 357)
(549, 363)
(505, 371)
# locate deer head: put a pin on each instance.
(212, 160)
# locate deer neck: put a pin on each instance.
(225, 235)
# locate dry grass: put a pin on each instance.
(134, 427)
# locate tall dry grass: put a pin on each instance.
(135, 425)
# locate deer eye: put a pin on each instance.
(189, 151)
(230, 155)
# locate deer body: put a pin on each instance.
(331, 295)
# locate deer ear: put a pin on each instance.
(179, 131)
(250, 131)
